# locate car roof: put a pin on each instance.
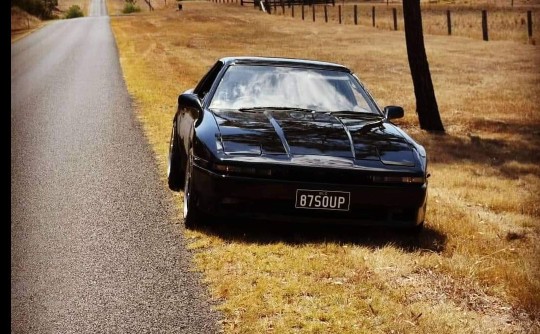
(284, 62)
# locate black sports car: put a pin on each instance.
(293, 140)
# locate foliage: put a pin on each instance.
(131, 7)
(73, 12)
(40, 8)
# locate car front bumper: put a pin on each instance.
(270, 199)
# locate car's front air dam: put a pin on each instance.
(222, 195)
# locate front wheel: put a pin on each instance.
(415, 231)
(192, 215)
(174, 171)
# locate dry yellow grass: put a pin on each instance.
(504, 23)
(114, 7)
(63, 6)
(474, 270)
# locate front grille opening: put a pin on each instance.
(287, 208)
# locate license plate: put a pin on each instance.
(323, 199)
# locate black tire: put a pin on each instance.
(192, 215)
(416, 230)
(175, 174)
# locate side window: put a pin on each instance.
(206, 83)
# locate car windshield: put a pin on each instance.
(257, 86)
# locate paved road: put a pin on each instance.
(95, 246)
(97, 8)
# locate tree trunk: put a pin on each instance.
(426, 103)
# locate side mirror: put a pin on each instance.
(393, 112)
(191, 104)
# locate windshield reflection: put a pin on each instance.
(254, 86)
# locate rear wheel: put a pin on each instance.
(419, 228)
(192, 215)
(174, 169)
(416, 230)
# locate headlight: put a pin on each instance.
(241, 170)
(399, 179)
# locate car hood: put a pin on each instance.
(300, 133)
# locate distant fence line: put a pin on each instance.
(272, 7)
(300, 2)
(283, 3)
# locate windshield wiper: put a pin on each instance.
(372, 120)
(352, 113)
(275, 108)
(368, 126)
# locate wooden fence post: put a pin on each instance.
(292, 10)
(484, 25)
(313, 12)
(449, 22)
(394, 14)
(325, 14)
(355, 14)
(529, 23)
(373, 15)
(302, 11)
(339, 13)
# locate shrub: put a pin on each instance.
(130, 7)
(74, 11)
